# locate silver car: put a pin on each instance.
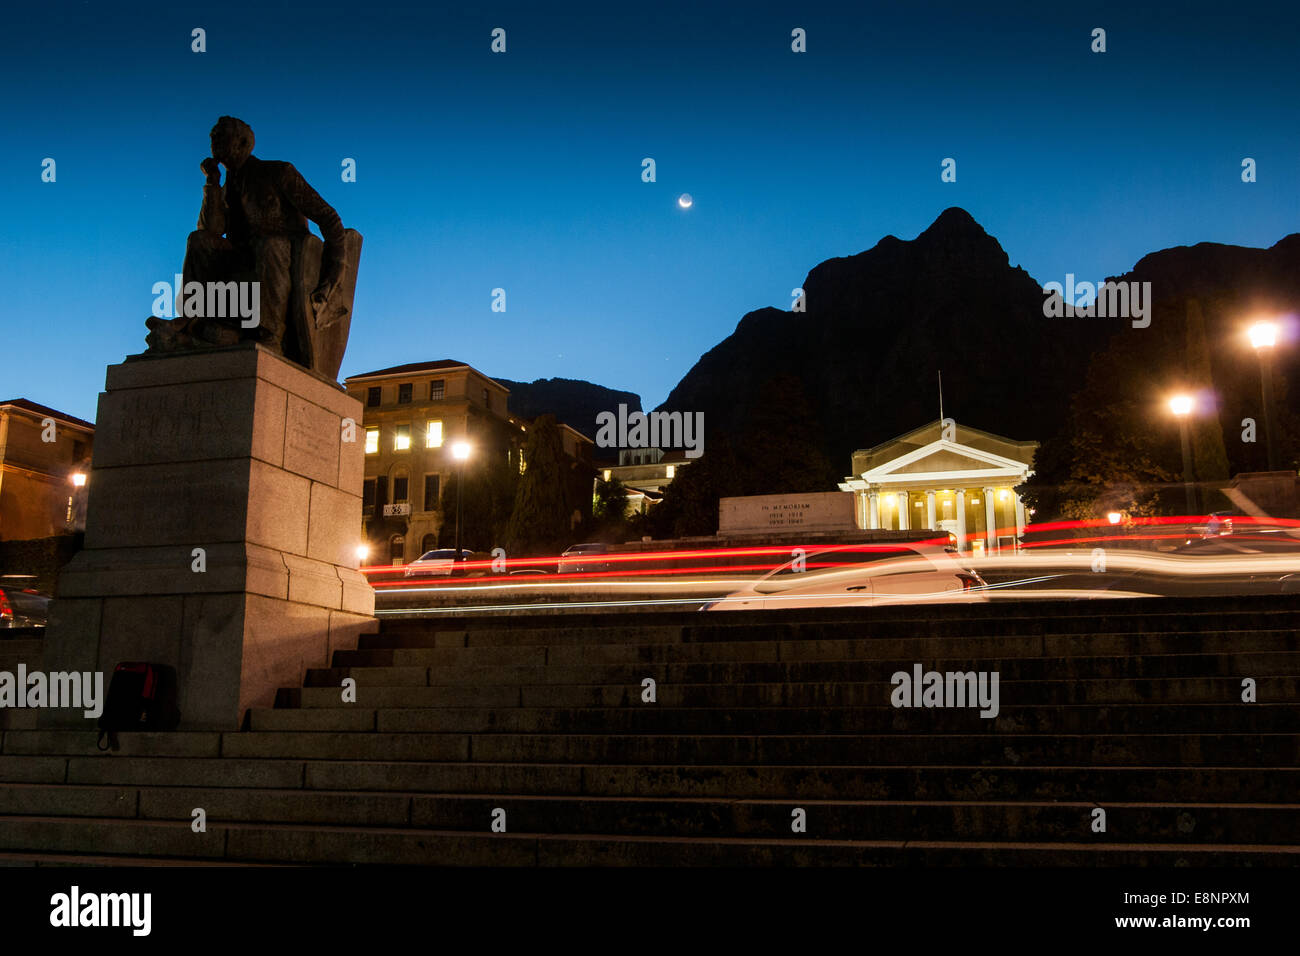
(847, 576)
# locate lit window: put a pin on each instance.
(372, 441)
(672, 471)
(402, 440)
(607, 474)
(433, 435)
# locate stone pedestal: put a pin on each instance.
(222, 524)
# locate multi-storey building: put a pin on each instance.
(645, 473)
(44, 461)
(414, 415)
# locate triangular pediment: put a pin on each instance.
(945, 458)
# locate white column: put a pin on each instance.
(904, 512)
(990, 521)
(929, 510)
(961, 519)
(861, 499)
(873, 511)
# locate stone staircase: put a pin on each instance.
(1131, 706)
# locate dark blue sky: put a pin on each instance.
(523, 170)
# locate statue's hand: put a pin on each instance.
(320, 297)
(212, 170)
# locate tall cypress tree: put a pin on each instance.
(540, 521)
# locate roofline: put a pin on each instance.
(36, 408)
(939, 421)
(418, 372)
(576, 432)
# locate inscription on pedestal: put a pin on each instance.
(178, 423)
(311, 441)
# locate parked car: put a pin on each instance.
(23, 607)
(583, 559)
(437, 563)
(851, 577)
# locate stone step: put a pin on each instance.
(1158, 615)
(1072, 719)
(126, 771)
(808, 694)
(882, 648)
(965, 781)
(1143, 749)
(1006, 782)
(971, 620)
(1248, 750)
(130, 744)
(80, 860)
(1039, 668)
(826, 819)
(20, 647)
(391, 845)
(768, 630)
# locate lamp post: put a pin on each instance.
(459, 451)
(1181, 406)
(1263, 336)
(74, 515)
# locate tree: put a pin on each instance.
(609, 502)
(541, 518)
(488, 500)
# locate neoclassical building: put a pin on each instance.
(947, 477)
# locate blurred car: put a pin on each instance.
(852, 577)
(1218, 524)
(1253, 559)
(23, 607)
(583, 559)
(436, 563)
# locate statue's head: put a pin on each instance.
(232, 141)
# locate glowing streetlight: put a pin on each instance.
(78, 479)
(1114, 517)
(1181, 405)
(363, 552)
(1263, 337)
(460, 451)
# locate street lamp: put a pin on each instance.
(459, 451)
(1263, 337)
(1181, 406)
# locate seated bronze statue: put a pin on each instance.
(254, 230)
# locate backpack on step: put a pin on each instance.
(141, 696)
